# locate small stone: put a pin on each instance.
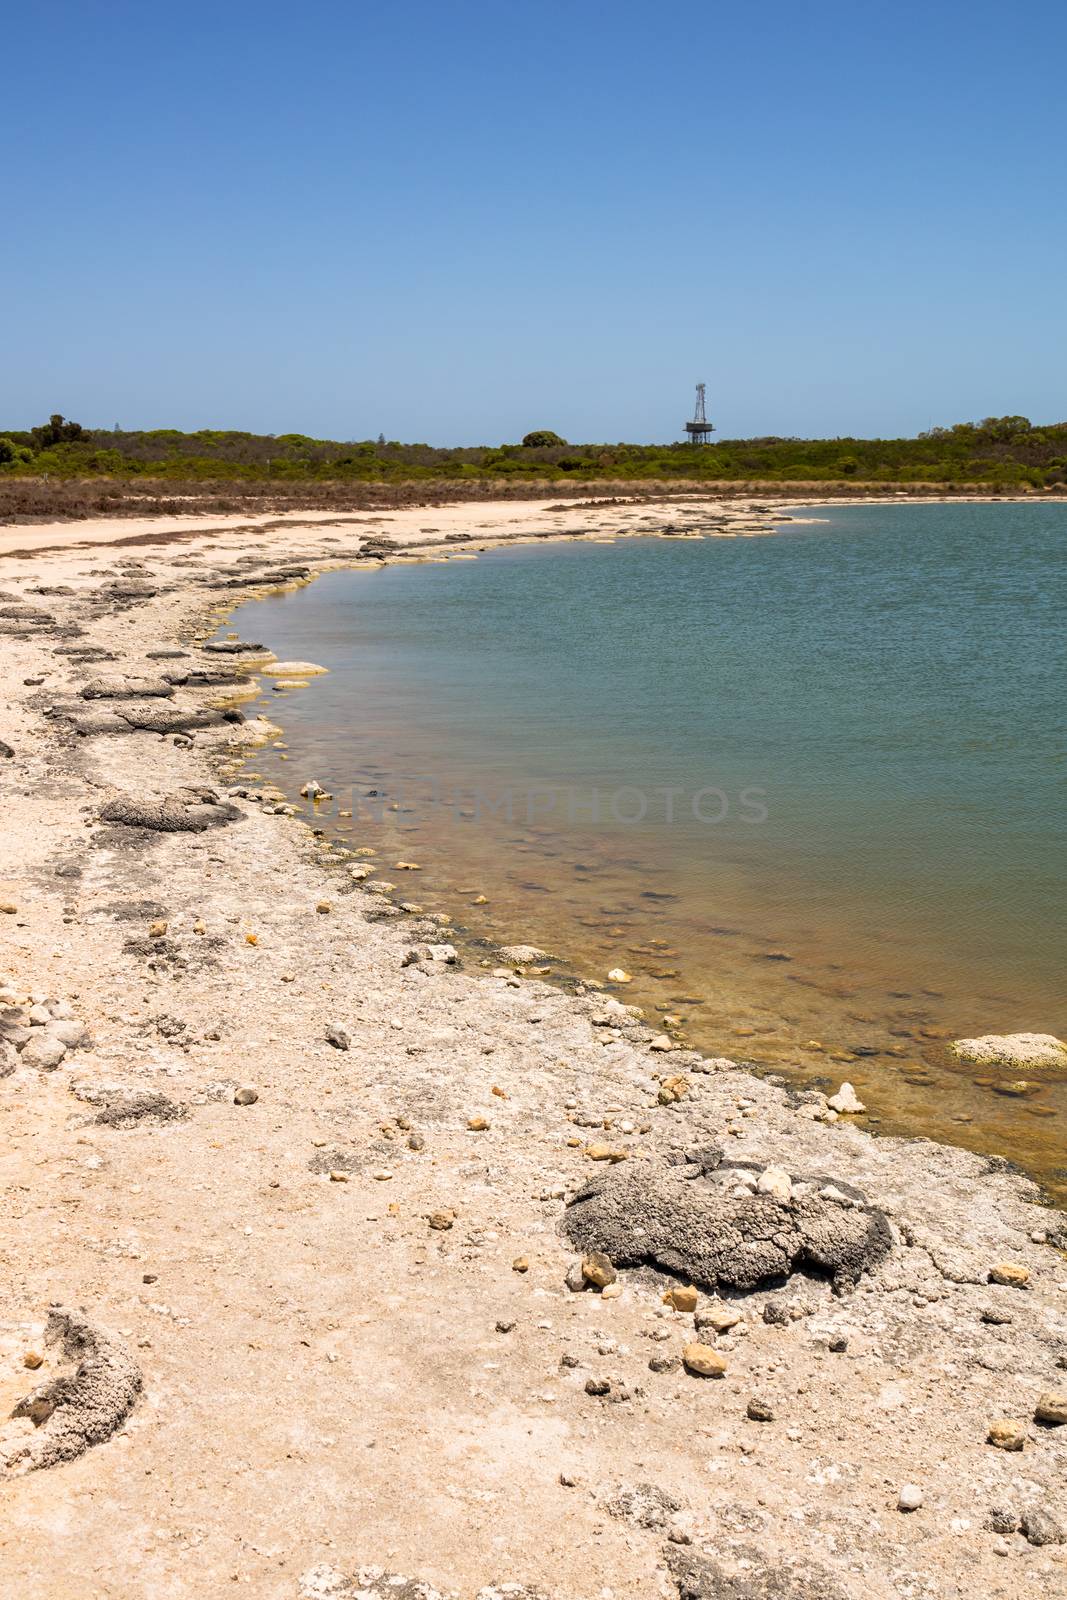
(477, 1124)
(838, 1344)
(683, 1297)
(775, 1313)
(383, 1175)
(619, 975)
(157, 929)
(324, 908)
(575, 1278)
(605, 1152)
(441, 1221)
(1007, 1435)
(520, 1264)
(337, 1176)
(846, 1101)
(664, 1364)
(1051, 1407)
(995, 1316)
(597, 1386)
(718, 1319)
(703, 1361)
(416, 1141)
(910, 1497)
(338, 1037)
(1037, 1527)
(504, 1327)
(43, 1049)
(673, 1089)
(1002, 1519)
(612, 1291)
(245, 1096)
(777, 1183)
(1010, 1274)
(597, 1269)
(759, 1410)
(8, 908)
(662, 1041)
(33, 1359)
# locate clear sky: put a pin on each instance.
(456, 221)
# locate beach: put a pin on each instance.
(305, 1173)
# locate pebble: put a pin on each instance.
(477, 1124)
(504, 1327)
(245, 1096)
(441, 1220)
(324, 908)
(703, 1361)
(33, 1359)
(520, 1264)
(910, 1497)
(597, 1269)
(1010, 1274)
(1038, 1528)
(759, 1410)
(337, 1176)
(683, 1297)
(605, 1152)
(1051, 1407)
(1007, 1435)
(157, 929)
(720, 1319)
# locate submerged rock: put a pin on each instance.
(1013, 1052)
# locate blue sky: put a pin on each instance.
(453, 222)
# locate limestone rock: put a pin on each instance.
(702, 1360)
(1007, 1435)
(846, 1101)
(1051, 1408)
(1013, 1052)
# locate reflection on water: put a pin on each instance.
(805, 791)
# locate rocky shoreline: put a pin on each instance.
(363, 1262)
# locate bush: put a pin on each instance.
(14, 455)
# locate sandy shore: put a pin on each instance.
(323, 1325)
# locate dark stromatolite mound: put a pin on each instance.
(702, 1578)
(235, 647)
(188, 811)
(83, 1407)
(126, 689)
(694, 1221)
(133, 1110)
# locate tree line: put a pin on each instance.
(998, 451)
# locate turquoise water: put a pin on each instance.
(868, 707)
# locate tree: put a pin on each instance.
(541, 438)
(57, 430)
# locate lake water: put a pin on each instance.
(806, 789)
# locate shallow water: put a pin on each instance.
(806, 789)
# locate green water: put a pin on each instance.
(869, 710)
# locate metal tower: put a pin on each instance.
(700, 429)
